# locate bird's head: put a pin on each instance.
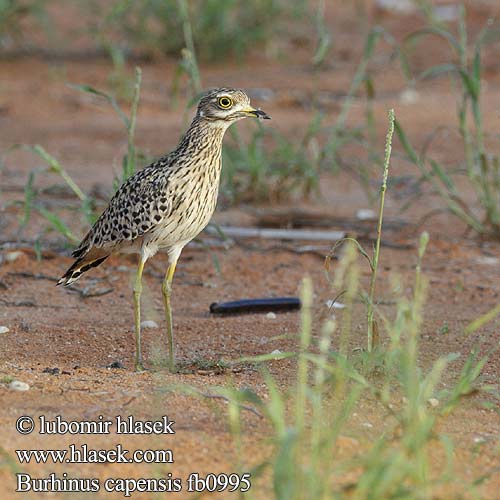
(225, 106)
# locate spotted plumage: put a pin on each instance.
(168, 203)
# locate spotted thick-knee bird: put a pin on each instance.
(167, 204)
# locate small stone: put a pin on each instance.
(366, 214)
(115, 365)
(149, 323)
(486, 260)
(334, 304)
(270, 315)
(12, 256)
(209, 284)
(446, 13)
(17, 385)
(3, 329)
(367, 425)
(51, 371)
(409, 96)
(479, 440)
(397, 6)
(276, 353)
(433, 402)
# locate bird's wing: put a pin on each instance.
(141, 203)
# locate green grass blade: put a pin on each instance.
(58, 224)
(91, 90)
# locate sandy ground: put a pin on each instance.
(52, 328)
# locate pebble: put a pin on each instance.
(270, 315)
(433, 402)
(489, 261)
(149, 323)
(51, 371)
(334, 305)
(115, 365)
(276, 352)
(409, 96)
(367, 425)
(3, 329)
(366, 214)
(397, 6)
(17, 385)
(12, 256)
(446, 13)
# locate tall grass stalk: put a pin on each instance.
(129, 162)
(376, 254)
(359, 76)
(189, 61)
(480, 166)
(324, 41)
(55, 167)
(30, 195)
(482, 320)
(302, 367)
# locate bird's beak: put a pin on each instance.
(257, 113)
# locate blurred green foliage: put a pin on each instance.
(12, 14)
(480, 167)
(220, 28)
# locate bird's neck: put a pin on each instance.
(202, 134)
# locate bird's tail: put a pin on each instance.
(79, 267)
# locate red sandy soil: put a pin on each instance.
(51, 327)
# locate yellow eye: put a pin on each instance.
(225, 102)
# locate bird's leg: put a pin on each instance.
(167, 291)
(137, 316)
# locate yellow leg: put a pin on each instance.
(167, 291)
(137, 316)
